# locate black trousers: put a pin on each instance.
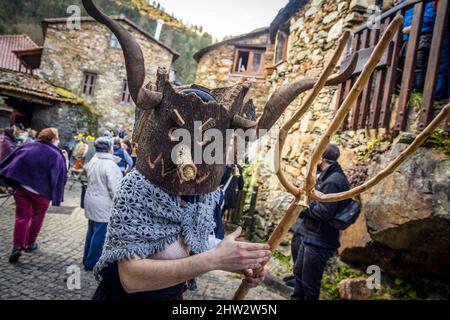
(308, 270)
(295, 245)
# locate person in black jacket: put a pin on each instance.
(317, 241)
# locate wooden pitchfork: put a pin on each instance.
(308, 192)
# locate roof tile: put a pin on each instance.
(9, 43)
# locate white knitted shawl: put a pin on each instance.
(145, 220)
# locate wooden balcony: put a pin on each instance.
(373, 109)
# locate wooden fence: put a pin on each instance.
(373, 107)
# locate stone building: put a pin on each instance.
(399, 213)
(89, 62)
(229, 61)
(28, 99)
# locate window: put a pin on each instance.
(281, 47)
(125, 97)
(89, 83)
(249, 61)
(114, 43)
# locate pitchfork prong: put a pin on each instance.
(318, 86)
(359, 85)
(332, 197)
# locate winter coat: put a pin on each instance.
(40, 166)
(7, 146)
(103, 179)
(313, 221)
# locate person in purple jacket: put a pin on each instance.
(7, 143)
(38, 173)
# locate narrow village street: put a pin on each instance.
(42, 275)
(319, 127)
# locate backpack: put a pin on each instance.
(347, 216)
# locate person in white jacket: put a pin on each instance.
(103, 179)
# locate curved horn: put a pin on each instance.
(281, 98)
(241, 122)
(134, 59)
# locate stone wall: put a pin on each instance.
(215, 68)
(404, 224)
(314, 32)
(68, 53)
(68, 119)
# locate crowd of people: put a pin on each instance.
(37, 170)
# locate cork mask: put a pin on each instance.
(165, 161)
(163, 109)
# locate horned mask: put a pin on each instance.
(163, 108)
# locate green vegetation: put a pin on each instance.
(409, 288)
(440, 141)
(88, 118)
(402, 289)
(338, 139)
(415, 99)
(26, 16)
(70, 95)
(366, 154)
(330, 281)
(283, 259)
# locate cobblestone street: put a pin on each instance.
(42, 275)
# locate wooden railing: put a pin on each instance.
(373, 107)
(234, 217)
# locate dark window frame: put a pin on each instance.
(252, 52)
(89, 83)
(277, 58)
(125, 96)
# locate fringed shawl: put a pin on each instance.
(145, 220)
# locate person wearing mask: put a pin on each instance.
(7, 143)
(316, 239)
(103, 179)
(126, 163)
(38, 173)
(31, 136)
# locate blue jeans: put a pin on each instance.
(95, 238)
(442, 90)
(308, 271)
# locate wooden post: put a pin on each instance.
(440, 26)
(391, 78)
(408, 70)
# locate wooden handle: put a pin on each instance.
(274, 241)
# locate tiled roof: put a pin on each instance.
(31, 87)
(9, 43)
(197, 56)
